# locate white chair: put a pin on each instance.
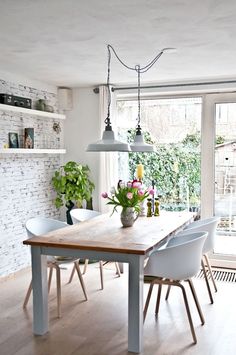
(39, 226)
(180, 260)
(80, 215)
(209, 225)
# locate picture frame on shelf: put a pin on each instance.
(13, 140)
(29, 138)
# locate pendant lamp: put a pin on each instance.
(108, 143)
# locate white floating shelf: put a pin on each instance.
(31, 151)
(32, 112)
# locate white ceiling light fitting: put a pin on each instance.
(108, 143)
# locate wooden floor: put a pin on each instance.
(99, 326)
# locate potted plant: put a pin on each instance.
(73, 186)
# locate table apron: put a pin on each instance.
(91, 254)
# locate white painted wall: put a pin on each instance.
(81, 128)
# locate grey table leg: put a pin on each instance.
(135, 311)
(40, 291)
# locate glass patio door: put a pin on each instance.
(219, 181)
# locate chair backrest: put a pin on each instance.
(82, 214)
(207, 224)
(180, 260)
(42, 225)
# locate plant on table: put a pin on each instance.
(130, 194)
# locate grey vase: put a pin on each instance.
(128, 216)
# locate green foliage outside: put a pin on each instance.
(72, 184)
(173, 167)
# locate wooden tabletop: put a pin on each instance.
(105, 233)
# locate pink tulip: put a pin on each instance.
(136, 184)
(140, 192)
(129, 184)
(129, 195)
(104, 195)
(151, 191)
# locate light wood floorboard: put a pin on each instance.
(99, 326)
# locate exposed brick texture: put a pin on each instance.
(25, 180)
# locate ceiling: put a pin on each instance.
(63, 42)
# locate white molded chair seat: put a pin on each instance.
(179, 261)
(39, 226)
(80, 215)
(209, 225)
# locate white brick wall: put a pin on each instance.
(25, 180)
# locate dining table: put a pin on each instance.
(104, 238)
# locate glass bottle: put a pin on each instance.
(157, 207)
(149, 207)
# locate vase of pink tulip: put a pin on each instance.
(129, 196)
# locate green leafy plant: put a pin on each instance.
(72, 185)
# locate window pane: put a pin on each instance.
(225, 177)
(174, 126)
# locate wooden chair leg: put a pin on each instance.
(85, 265)
(101, 274)
(188, 313)
(192, 288)
(26, 300)
(72, 274)
(147, 301)
(207, 282)
(158, 299)
(50, 277)
(81, 279)
(167, 292)
(117, 269)
(210, 271)
(58, 278)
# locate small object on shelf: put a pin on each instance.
(22, 102)
(139, 171)
(56, 127)
(6, 99)
(40, 105)
(13, 140)
(149, 207)
(157, 207)
(15, 101)
(29, 138)
(49, 108)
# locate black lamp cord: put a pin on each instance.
(138, 70)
